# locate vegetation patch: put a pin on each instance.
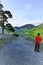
(33, 32)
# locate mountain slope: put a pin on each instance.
(20, 30)
(33, 32)
(27, 26)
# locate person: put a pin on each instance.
(37, 42)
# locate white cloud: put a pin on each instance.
(20, 22)
(36, 22)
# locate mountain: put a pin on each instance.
(20, 30)
(27, 26)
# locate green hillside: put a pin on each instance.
(33, 32)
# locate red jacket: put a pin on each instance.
(38, 39)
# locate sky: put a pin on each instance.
(24, 11)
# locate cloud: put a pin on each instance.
(24, 12)
(35, 22)
(20, 21)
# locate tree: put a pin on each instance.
(4, 15)
(9, 28)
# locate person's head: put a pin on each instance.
(38, 34)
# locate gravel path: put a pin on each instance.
(20, 52)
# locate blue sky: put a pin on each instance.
(24, 11)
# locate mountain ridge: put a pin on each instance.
(26, 26)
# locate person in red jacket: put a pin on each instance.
(37, 43)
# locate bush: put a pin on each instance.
(16, 35)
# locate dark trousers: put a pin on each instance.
(37, 46)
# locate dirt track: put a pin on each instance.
(20, 52)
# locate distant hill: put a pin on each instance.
(33, 32)
(27, 26)
(21, 29)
